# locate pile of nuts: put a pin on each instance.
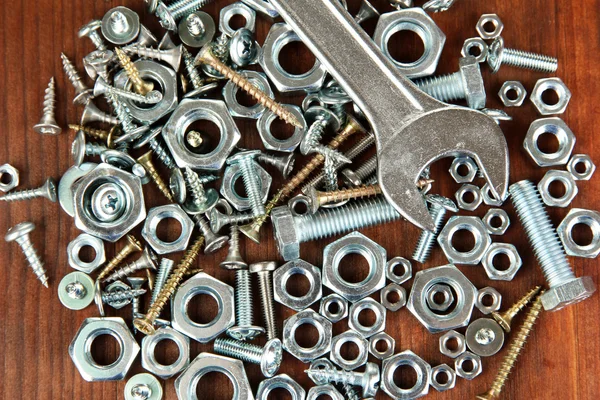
(143, 78)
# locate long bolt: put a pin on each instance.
(146, 323)
(131, 246)
(565, 287)
(218, 220)
(90, 30)
(206, 56)
(139, 85)
(83, 94)
(164, 270)
(319, 199)
(48, 125)
(505, 319)
(20, 234)
(146, 261)
(439, 207)
(245, 161)
(268, 357)
(514, 350)
(368, 380)
(265, 283)
(99, 134)
(498, 55)
(244, 309)
(146, 161)
(47, 190)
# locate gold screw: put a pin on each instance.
(206, 56)
(146, 161)
(91, 132)
(151, 279)
(318, 199)
(514, 350)
(252, 230)
(132, 246)
(194, 139)
(193, 272)
(504, 319)
(146, 323)
(139, 85)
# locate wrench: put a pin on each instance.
(412, 129)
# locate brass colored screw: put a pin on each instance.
(146, 161)
(504, 319)
(91, 132)
(132, 246)
(139, 85)
(194, 139)
(146, 323)
(318, 199)
(192, 272)
(252, 230)
(206, 56)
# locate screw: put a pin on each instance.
(48, 125)
(161, 152)
(244, 311)
(438, 208)
(160, 323)
(265, 283)
(193, 272)
(234, 259)
(146, 161)
(245, 160)
(195, 25)
(318, 199)
(498, 55)
(505, 319)
(80, 148)
(268, 357)
(146, 323)
(321, 118)
(131, 131)
(194, 139)
(83, 94)
(213, 241)
(91, 31)
(283, 163)
(356, 178)
(565, 287)
(139, 85)
(115, 296)
(102, 87)
(136, 284)
(169, 15)
(91, 113)
(91, 132)
(198, 83)
(200, 200)
(164, 270)
(20, 234)
(131, 246)
(206, 56)
(47, 190)
(218, 220)
(438, 5)
(170, 56)
(147, 260)
(514, 350)
(141, 391)
(368, 380)
(350, 392)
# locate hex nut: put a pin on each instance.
(81, 346)
(565, 232)
(203, 283)
(154, 218)
(496, 300)
(488, 197)
(149, 362)
(281, 381)
(288, 242)
(466, 162)
(487, 19)
(459, 365)
(489, 221)
(264, 123)
(281, 277)
(420, 366)
(475, 43)
(479, 232)
(307, 317)
(462, 203)
(514, 258)
(387, 339)
(391, 266)
(75, 246)
(367, 304)
(450, 382)
(349, 336)
(13, 173)
(400, 292)
(561, 90)
(337, 300)
(185, 384)
(461, 344)
(588, 164)
(518, 88)
(230, 91)
(227, 13)
(231, 176)
(417, 21)
(556, 127)
(354, 243)
(447, 294)
(324, 391)
(568, 182)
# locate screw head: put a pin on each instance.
(370, 382)
(350, 177)
(47, 128)
(494, 58)
(166, 18)
(212, 197)
(98, 299)
(87, 284)
(78, 148)
(84, 97)
(271, 357)
(265, 266)
(133, 243)
(242, 155)
(445, 202)
(48, 190)
(148, 259)
(177, 186)
(245, 332)
(89, 28)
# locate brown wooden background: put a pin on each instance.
(561, 358)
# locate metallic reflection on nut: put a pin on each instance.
(519, 97)
(231, 90)
(481, 47)
(324, 391)
(367, 304)
(75, 246)
(390, 345)
(496, 300)
(454, 351)
(361, 343)
(556, 127)
(495, 21)
(459, 364)
(390, 270)
(488, 197)
(586, 162)
(475, 226)
(409, 359)
(158, 214)
(446, 384)
(231, 176)
(13, 175)
(270, 141)
(307, 317)
(440, 290)
(281, 277)
(491, 219)
(334, 307)
(567, 181)
(281, 381)
(578, 216)
(463, 162)
(557, 86)
(463, 203)
(391, 289)
(151, 364)
(514, 260)
(229, 12)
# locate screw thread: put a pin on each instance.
(247, 352)
(133, 245)
(21, 195)
(127, 270)
(162, 153)
(444, 88)
(316, 132)
(94, 149)
(147, 163)
(527, 60)
(504, 319)
(244, 315)
(331, 177)
(192, 71)
(122, 111)
(252, 185)
(147, 52)
(221, 48)
(33, 259)
(542, 235)
(139, 85)
(265, 284)
(427, 239)
(367, 169)
(195, 187)
(347, 194)
(91, 132)
(49, 100)
(165, 268)
(151, 98)
(193, 272)
(350, 392)
(121, 295)
(182, 8)
(194, 25)
(336, 376)
(118, 22)
(72, 74)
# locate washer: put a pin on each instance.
(485, 337)
(76, 291)
(120, 25)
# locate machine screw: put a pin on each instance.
(80, 148)
(498, 55)
(514, 350)
(139, 85)
(218, 220)
(136, 284)
(90, 30)
(565, 287)
(169, 15)
(83, 94)
(146, 161)
(505, 319)
(265, 283)
(147, 260)
(102, 87)
(439, 207)
(99, 134)
(234, 258)
(47, 190)
(368, 380)
(201, 200)
(164, 270)
(319, 199)
(268, 357)
(131, 246)
(213, 241)
(170, 56)
(20, 234)
(245, 160)
(283, 163)
(357, 177)
(48, 125)
(91, 113)
(244, 311)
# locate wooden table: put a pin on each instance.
(561, 358)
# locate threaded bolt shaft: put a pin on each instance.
(265, 285)
(82, 93)
(20, 234)
(139, 85)
(91, 132)
(247, 352)
(368, 380)
(132, 246)
(350, 392)
(428, 238)
(194, 25)
(121, 295)
(164, 270)
(244, 312)
(94, 149)
(193, 73)
(498, 55)
(252, 185)
(444, 88)
(122, 111)
(128, 270)
(505, 319)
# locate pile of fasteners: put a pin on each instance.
(157, 91)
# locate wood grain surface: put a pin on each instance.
(560, 360)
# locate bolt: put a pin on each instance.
(91, 31)
(505, 319)
(268, 357)
(136, 284)
(99, 134)
(283, 163)
(83, 94)
(131, 246)
(213, 241)
(498, 55)
(170, 56)
(139, 85)
(265, 283)
(48, 124)
(91, 113)
(141, 391)
(145, 324)
(318, 199)
(164, 270)
(368, 380)
(80, 148)
(195, 25)
(20, 234)
(218, 220)
(514, 350)
(200, 200)
(244, 311)
(206, 56)
(169, 15)
(146, 161)
(439, 206)
(356, 178)
(147, 260)
(234, 259)
(565, 287)
(245, 160)
(47, 190)
(102, 87)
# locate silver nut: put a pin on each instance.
(13, 175)
(483, 29)
(263, 125)
(367, 304)
(231, 176)
(568, 293)
(398, 262)
(334, 307)
(81, 347)
(324, 391)
(578, 216)
(281, 381)
(585, 161)
(393, 289)
(492, 293)
(488, 197)
(74, 248)
(567, 181)
(281, 277)
(440, 297)
(229, 12)
(462, 200)
(230, 91)
(463, 170)
(450, 349)
(472, 82)
(475, 47)
(553, 84)
(169, 212)
(388, 348)
(307, 317)
(446, 384)
(496, 221)
(459, 365)
(149, 362)
(504, 274)
(556, 127)
(410, 359)
(475, 226)
(361, 343)
(512, 94)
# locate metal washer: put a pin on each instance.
(189, 39)
(487, 343)
(72, 303)
(133, 26)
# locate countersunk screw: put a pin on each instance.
(47, 190)
(83, 94)
(319, 199)
(136, 284)
(164, 270)
(99, 134)
(234, 259)
(206, 56)
(48, 125)
(265, 283)
(198, 83)
(245, 160)
(170, 56)
(505, 319)
(268, 357)
(91, 113)
(91, 31)
(498, 55)
(131, 246)
(146, 323)
(147, 260)
(439, 207)
(80, 148)
(169, 15)
(565, 287)
(139, 85)
(368, 380)
(146, 161)
(283, 163)
(218, 220)
(213, 241)
(102, 87)
(20, 234)
(514, 350)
